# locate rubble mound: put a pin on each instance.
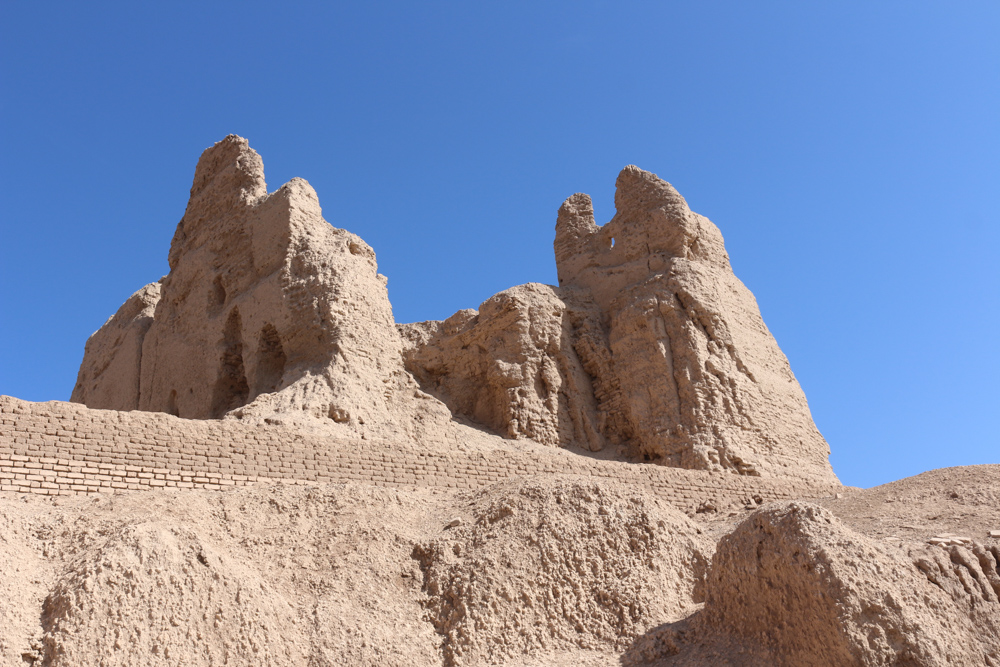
(265, 575)
(792, 585)
(22, 588)
(157, 594)
(530, 567)
(962, 500)
(345, 551)
(539, 570)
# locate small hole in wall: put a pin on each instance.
(612, 242)
(172, 404)
(216, 297)
(270, 361)
(218, 292)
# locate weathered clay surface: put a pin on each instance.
(792, 585)
(545, 570)
(175, 600)
(267, 310)
(21, 587)
(537, 567)
(511, 366)
(111, 369)
(649, 341)
(702, 381)
(650, 345)
(341, 575)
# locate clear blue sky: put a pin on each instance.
(849, 151)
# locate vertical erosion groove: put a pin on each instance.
(270, 361)
(231, 388)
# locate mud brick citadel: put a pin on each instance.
(259, 465)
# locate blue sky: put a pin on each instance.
(849, 152)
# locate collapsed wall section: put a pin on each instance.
(511, 366)
(703, 383)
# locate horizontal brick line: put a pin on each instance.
(61, 448)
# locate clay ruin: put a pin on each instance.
(650, 344)
(260, 466)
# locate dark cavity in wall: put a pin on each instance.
(217, 296)
(172, 404)
(270, 362)
(231, 388)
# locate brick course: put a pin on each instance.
(58, 448)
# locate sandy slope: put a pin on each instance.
(545, 570)
(338, 575)
(964, 501)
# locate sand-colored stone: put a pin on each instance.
(794, 586)
(267, 310)
(111, 369)
(650, 341)
(547, 566)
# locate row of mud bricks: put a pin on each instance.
(61, 448)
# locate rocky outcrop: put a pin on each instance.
(792, 585)
(267, 310)
(649, 344)
(649, 341)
